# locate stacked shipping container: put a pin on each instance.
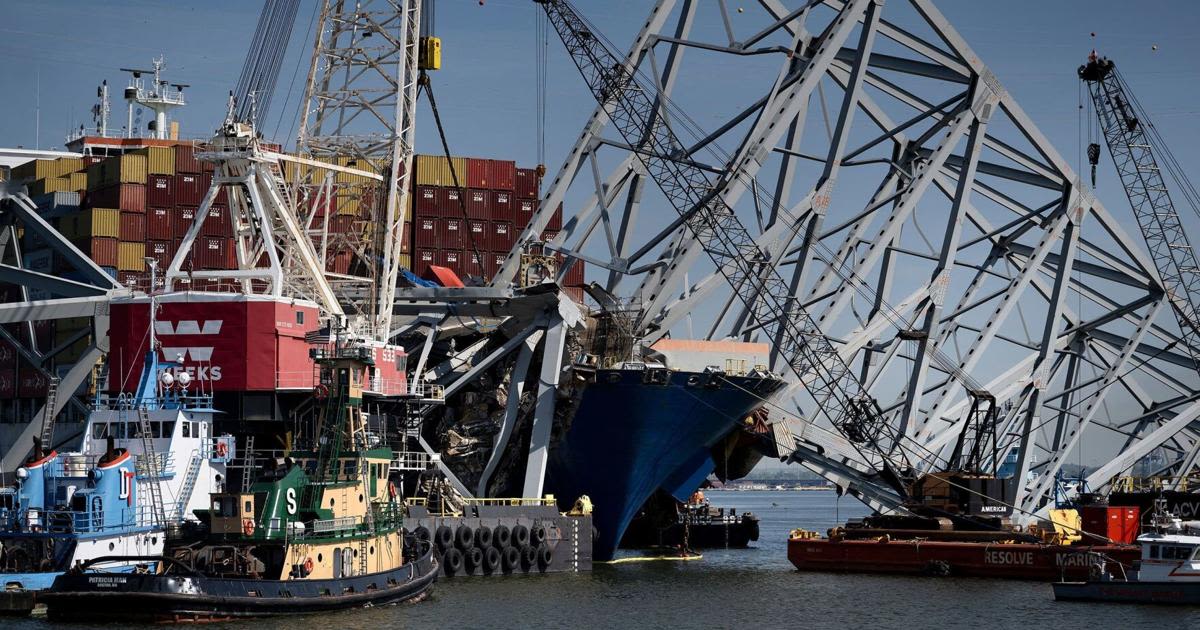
(472, 226)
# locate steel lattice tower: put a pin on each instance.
(359, 105)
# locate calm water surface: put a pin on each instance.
(753, 588)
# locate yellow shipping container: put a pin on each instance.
(405, 260)
(130, 256)
(37, 169)
(49, 185)
(160, 160)
(66, 166)
(358, 164)
(125, 169)
(91, 222)
(433, 170)
(78, 181)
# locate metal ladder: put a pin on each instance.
(189, 484)
(151, 468)
(248, 464)
(48, 415)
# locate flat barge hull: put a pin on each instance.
(1018, 561)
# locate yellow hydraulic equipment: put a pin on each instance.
(430, 56)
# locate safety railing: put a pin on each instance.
(547, 500)
(410, 461)
(74, 522)
(429, 391)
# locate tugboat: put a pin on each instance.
(696, 524)
(1168, 571)
(120, 494)
(319, 530)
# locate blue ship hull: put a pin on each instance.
(628, 438)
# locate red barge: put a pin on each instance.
(922, 556)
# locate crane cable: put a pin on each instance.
(424, 83)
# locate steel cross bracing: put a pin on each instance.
(697, 196)
(359, 109)
(881, 179)
(40, 295)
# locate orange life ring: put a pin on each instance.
(248, 527)
(308, 566)
(222, 449)
(392, 490)
(321, 391)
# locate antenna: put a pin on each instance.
(156, 96)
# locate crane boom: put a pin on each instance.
(1133, 152)
(696, 195)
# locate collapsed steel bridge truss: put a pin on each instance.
(919, 215)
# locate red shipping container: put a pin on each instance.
(339, 262)
(425, 201)
(32, 383)
(473, 263)
(162, 251)
(502, 236)
(476, 236)
(134, 279)
(43, 331)
(452, 233)
(125, 197)
(453, 259)
(160, 190)
(210, 252)
(574, 275)
(1119, 524)
(556, 219)
(217, 223)
(342, 224)
(189, 189)
(502, 206)
(133, 227)
(185, 160)
(504, 174)
(427, 232)
(479, 173)
(549, 235)
(185, 216)
(206, 183)
(527, 183)
(450, 203)
(423, 259)
(497, 261)
(523, 211)
(8, 355)
(479, 205)
(101, 249)
(160, 224)
(8, 383)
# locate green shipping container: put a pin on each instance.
(431, 170)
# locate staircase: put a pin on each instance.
(189, 485)
(48, 415)
(151, 469)
(248, 464)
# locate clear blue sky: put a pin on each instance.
(486, 89)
